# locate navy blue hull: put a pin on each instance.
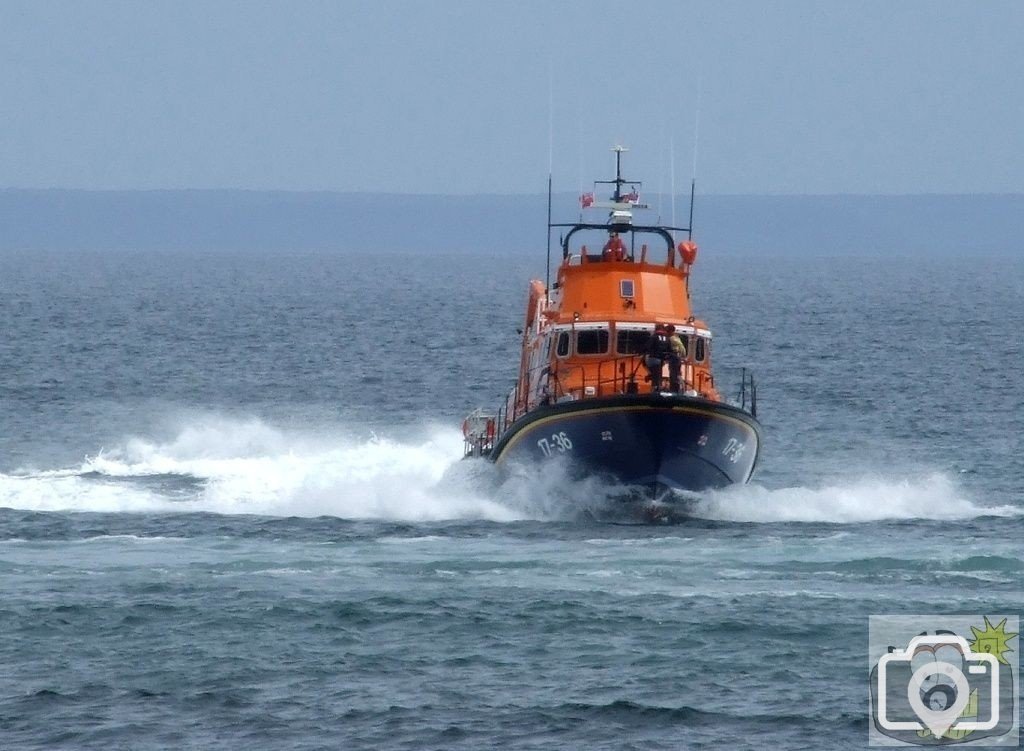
(651, 441)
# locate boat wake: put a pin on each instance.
(931, 496)
(229, 466)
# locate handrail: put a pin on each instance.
(619, 381)
(747, 397)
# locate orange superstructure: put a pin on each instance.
(589, 337)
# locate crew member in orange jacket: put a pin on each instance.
(614, 249)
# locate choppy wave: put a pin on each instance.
(229, 466)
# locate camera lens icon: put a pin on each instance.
(938, 716)
(937, 690)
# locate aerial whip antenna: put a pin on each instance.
(696, 139)
(551, 161)
(579, 145)
(551, 118)
(661, 183)
(672, 180)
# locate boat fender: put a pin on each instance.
(688, 252)
(533, 303)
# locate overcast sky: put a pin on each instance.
(453, 97)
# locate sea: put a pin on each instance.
(234, 514)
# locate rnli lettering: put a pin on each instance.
(558, 443)
(606, 435)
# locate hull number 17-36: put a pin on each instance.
(557, 443)
(733, 450)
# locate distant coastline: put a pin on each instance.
(239, 220)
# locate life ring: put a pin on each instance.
(465, 428)
(688, 252)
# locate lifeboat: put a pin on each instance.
(616, 373)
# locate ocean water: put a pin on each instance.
(233, 512)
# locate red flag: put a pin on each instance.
(587, 200)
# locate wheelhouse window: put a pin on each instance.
(592, 342)
(631, 342)
(626, 288)
(563, 344)
(700, 350)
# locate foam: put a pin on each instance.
(72, 493)
(249, 467)
(224, 465)
(932, 496)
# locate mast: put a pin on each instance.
(619, 181)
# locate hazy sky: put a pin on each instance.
(453, 97)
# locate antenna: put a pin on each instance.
(672, 180)
(661, 183)
(696, 120)
(579, 149)
(547, 278)
(551, 161)
(551, 118)
(696, 140)
(689, 225)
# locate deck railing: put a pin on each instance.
(747, 398)
(623, 375)
(616, 375)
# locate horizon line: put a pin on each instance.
(493, 194)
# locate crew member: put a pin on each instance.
(659, 351)
(614, 249)
(675, 360)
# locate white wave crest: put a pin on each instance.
(933, 496)
(248, 467)
(70, 492)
